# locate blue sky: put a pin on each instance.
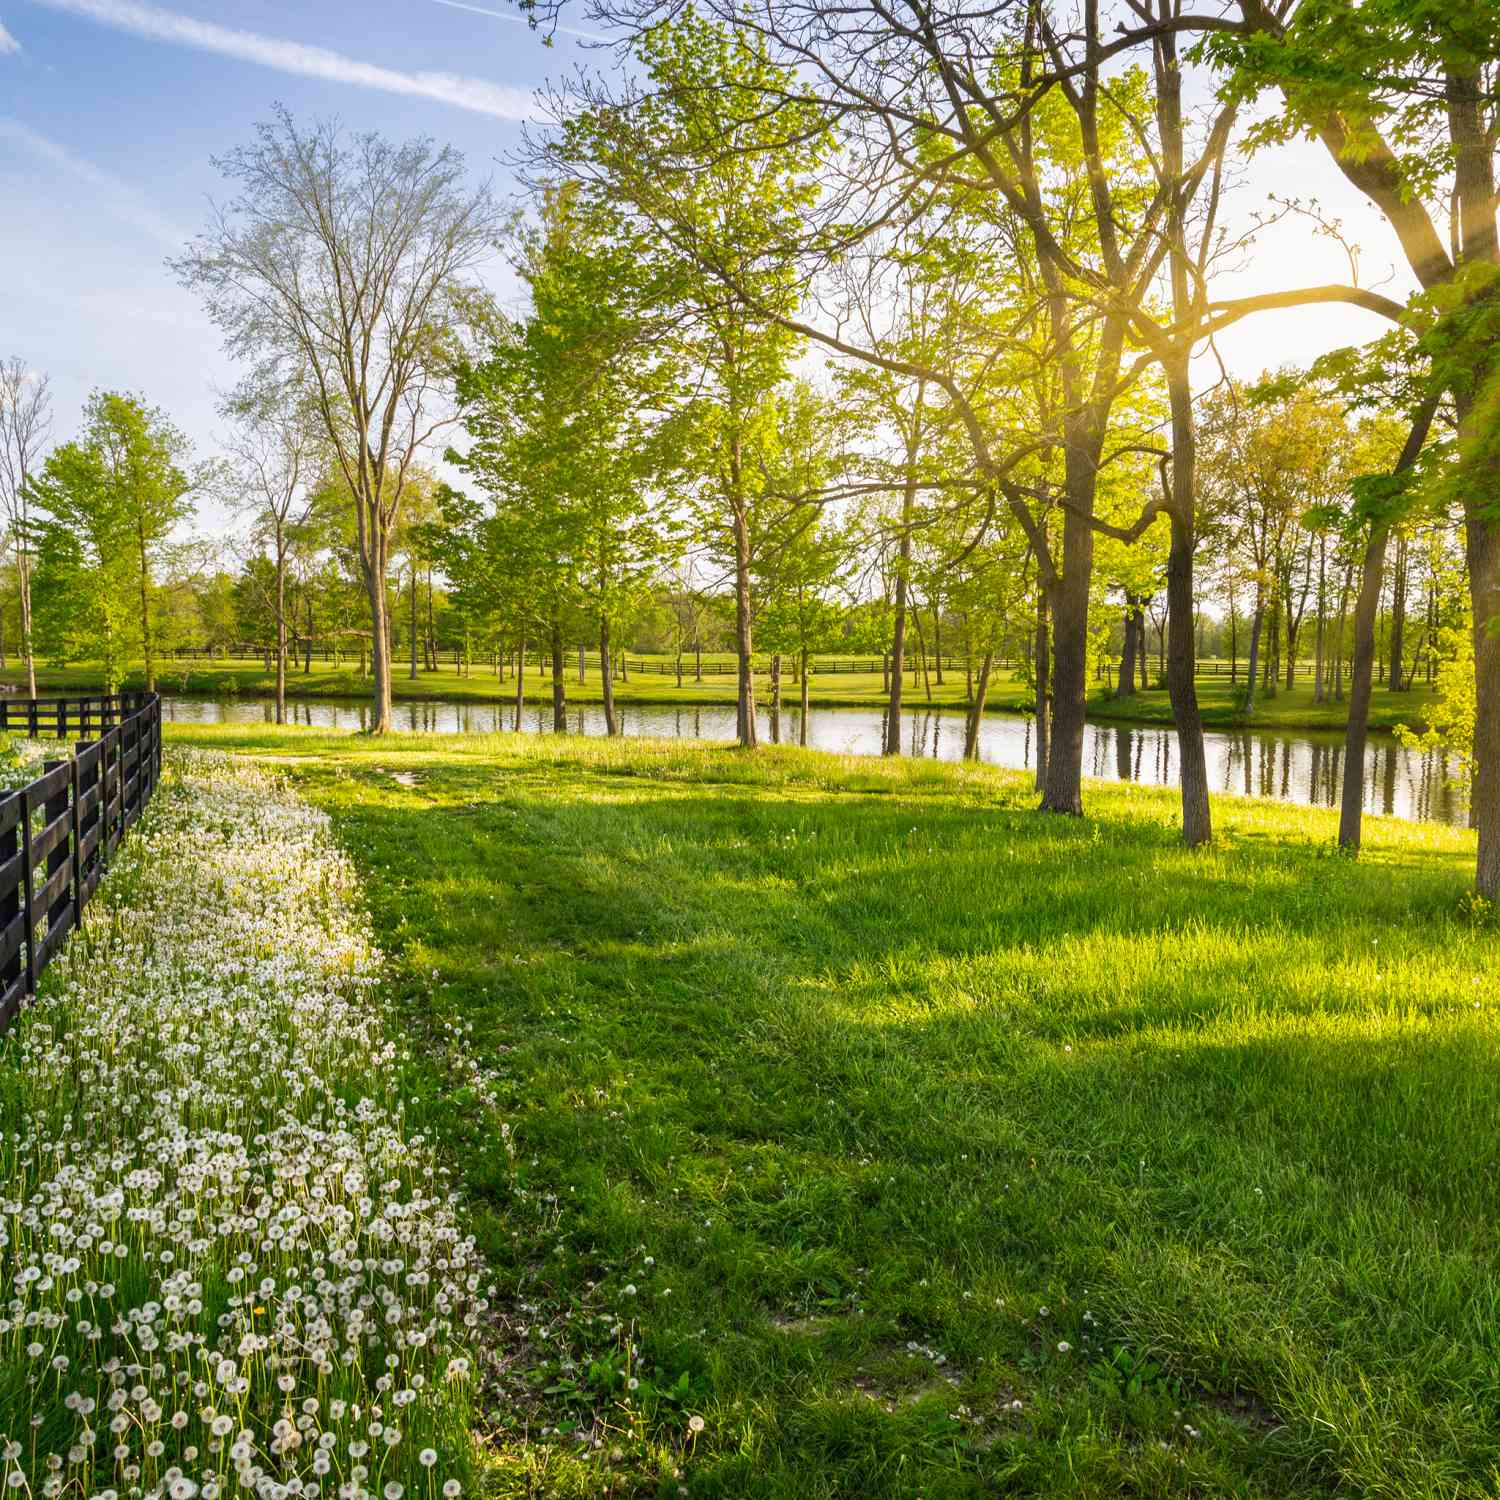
(110, 111)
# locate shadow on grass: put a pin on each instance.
(894, 1060)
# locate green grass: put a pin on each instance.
(875, 1062)
(1219, 700)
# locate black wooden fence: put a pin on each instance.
(58, 832)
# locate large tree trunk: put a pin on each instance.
(559, 687)
(1482, 548)
(606, 669)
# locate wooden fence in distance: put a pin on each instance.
(58, 832)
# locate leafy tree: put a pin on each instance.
(107, 503)
(563, 442)
(25, 429)
(352, 259)
(708, 180)
(274, 454)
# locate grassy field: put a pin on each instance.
(927, 1146)
(1219, 699)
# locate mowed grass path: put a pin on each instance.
(902, 1087)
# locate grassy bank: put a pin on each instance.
(1219, 699)
(928, 1146)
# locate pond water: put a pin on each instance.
(1290, 767)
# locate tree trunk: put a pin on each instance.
(23, 574)
(520, 682)
(1482, 548)
(1197, 825)
(1338, 639)
(280, 628)
(1361, 683)
(606, 669)
(1043, 688)
(1125, 681)
(937, 640)
(976, 709)
(1257, 625)
(1319, 642)
(745, 697)
(1361, 670)
(1398, 615)
(802, 727)
(559, 687)
(380, 640)
(146, 615)
(896, 675)
(922, 653)
(411, 584)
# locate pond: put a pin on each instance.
(1289, 766)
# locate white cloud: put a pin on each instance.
(8, 43)
(120, 197)
(502, 15)
(150, 21)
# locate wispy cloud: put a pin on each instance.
(502, 15)
(119, 197)
(156, 24)
(8, 43)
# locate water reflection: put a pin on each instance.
(1306, 768)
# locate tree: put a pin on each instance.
(800, 558)
(1401, 97)
(274, 454)
(351, 259)
(25, 427)
(561, 414)
(107, 503)
(691, 160)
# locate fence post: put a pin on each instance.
(55, 807)
(10, 909)
(27, 884)
(77, 852)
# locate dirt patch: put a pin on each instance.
(804, 1328)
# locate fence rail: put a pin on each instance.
(58, 832)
